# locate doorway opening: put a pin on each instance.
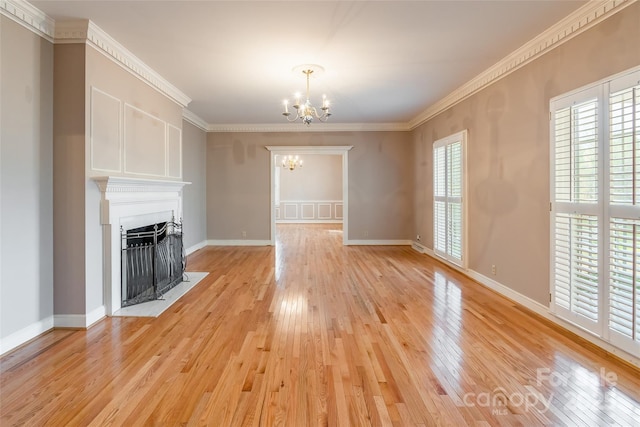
(341, 207)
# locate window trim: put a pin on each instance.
(462, 137)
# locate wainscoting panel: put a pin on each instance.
(309, 211)
(106, 131)
(290, 210)
(324, 211)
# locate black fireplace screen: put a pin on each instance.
(153, 261)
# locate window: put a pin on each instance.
(449, 198)
(595, 213)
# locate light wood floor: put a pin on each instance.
(313, 333)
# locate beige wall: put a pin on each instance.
(380, 182)
(69, 179)
(320, 178)
(194, 203)
(26, 143)
(508, 153)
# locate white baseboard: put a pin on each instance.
(239, 242)
(79, 321)
(309, 221)
(96, 315)
(377, 242)
(195, 247)
(536, 307)
(20, 337)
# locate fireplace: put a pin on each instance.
(125, 205)
(152, 261)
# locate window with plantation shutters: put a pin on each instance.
(576, 222)
(448, 195)
(624, 213)
(595, 210)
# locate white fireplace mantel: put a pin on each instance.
(127, 203)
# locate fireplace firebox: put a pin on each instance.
(153, 261)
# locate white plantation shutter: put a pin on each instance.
(576, 222)
(595, 215)
(448, 191)
(624, 211)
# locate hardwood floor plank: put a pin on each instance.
(312, 333)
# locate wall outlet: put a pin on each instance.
(417, 237)
(493, 269)
(244, 233)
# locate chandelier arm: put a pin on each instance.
(293, 119)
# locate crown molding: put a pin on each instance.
(195, 120)
(582, 19)
(317, 127)
(29, 17)
(81, 31)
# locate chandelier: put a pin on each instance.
(291, 162)
(307, 112)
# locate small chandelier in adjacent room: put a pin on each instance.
(307, 112)
(291, 162)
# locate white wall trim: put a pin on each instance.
(95, 315)
(29, 17)
(195, 247)
(309, 221)
(592, 13)
(378, 242)
(195, 120)
(167, 156)
(239, 243)
(319, 127)
(95, 90)
(534, 306)
(25, 334)
(79, 321)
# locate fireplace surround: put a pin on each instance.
(127, 203)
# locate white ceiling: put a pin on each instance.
(385, 61)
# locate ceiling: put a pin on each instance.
(385, 61)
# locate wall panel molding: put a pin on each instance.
(309, 211)
(138, 149)
(101, 133)
(174, 151)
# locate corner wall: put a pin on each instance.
(26, 144)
